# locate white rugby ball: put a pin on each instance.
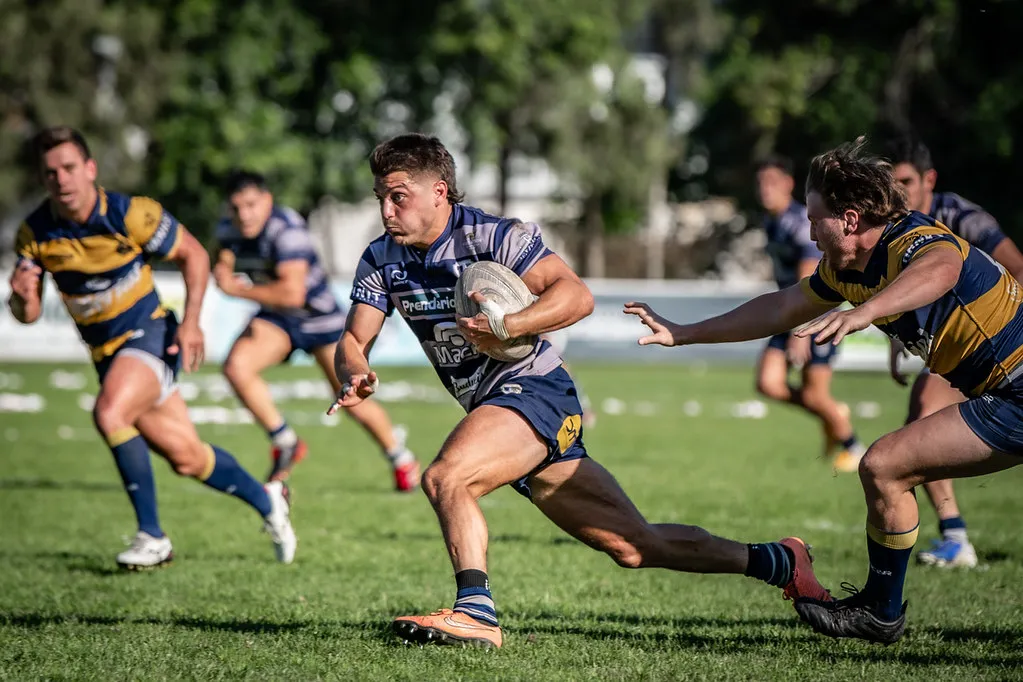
(501, 285)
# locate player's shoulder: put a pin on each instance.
(910, 223)
(477, 230)
(952, 202)
(283, 219)
(226, 231)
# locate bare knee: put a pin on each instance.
(625, 553)
(879, 468)
(815, 399)
(772, 388)
(237, 371)
(437, 481)
(109, 416)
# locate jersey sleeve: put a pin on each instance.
(369, 286)
(981, 229)
(26, 248)
(293, 243)
(821, 286)
(519, 246)
(918, 241)
(155, 230)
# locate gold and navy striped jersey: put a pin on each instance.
(972, 335)
(101, 266)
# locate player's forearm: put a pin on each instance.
(276, 294)
(760, 317)
(195, 270)
(350, 358)
(922, 283)
(25, 312)
(562, 304)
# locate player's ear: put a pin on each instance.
(930, 179)
(852, 221)
(440, 193)
(90, 170)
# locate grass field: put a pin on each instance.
(224, 609)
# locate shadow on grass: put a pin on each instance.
(379, 628)
(50, 484)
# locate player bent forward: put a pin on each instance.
(97, 246)
(941, 298)
(523, 425)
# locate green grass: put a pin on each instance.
(224, 609)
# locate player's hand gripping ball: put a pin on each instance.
(504, 293)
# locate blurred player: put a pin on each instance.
(97, 246)
(915, 171)
(795, 256)
(272, 249)
(947, 302)
(523, 424)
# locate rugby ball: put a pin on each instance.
(501, 285)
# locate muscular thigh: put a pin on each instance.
(940, 446)
(263, 344)
(128, 386)
(492, 446)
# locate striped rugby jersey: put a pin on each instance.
(972, 335)
(101, 267)
(967, 220)
(420, 285)
(284, 238)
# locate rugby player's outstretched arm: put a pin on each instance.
(765, 315)
(924, 281)
(351, 359)
(194, 264)
(564, 299)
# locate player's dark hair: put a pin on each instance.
(237, 180)
(847, 178)
(782, 163)
(415, 154)
(909, 149)
(54, 136)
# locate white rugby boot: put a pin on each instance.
(146, 552)
(278, 522)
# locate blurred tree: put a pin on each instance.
(803, 76)
(85, 63)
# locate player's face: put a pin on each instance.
(774, 189)
(250, 209)
(410, 207)
(69, 178)
(914, 185)
(834, 235)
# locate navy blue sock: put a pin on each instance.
(223, 473)
(889, 557)
(850, 442)
(951, 524)
(474, 598)
(771, 562)
(131, 455)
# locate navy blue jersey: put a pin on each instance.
(789, 243)
(420, 285)
(967, 220)
(284, 238)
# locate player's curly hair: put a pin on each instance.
(848, 178)
(415, 153)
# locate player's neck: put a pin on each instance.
(436, 229)
(781, 211)
(926, 202)
(865, 248)
(82, 214)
